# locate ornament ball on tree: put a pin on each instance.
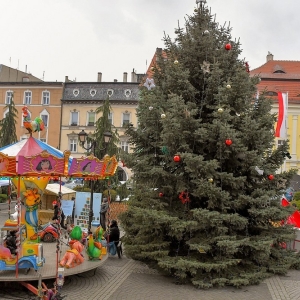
(176, 158)
(161, 194)
(228, 142)
(271, 177)
(228, 47)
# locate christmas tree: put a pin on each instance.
(206, 204)
(8, 125)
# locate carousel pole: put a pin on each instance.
(18, 239)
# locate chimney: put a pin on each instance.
(269, 56)
(99, 79)
(25, 68)
(133, 76)
(125, 77)
(158, 53)
(115, 80)
(66, 79)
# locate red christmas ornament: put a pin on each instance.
(176, 158)
(228, 142)
(161, 194)
(228, 47)
(184, 197)
(271, 177)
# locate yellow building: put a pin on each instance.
(41, 98)
(283, 76)
(80, 101)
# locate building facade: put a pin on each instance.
(78, 111)
(283, 76)
(41, 98)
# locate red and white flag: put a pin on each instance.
(281, 128)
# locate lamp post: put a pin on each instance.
(82, 135)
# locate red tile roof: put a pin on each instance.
(157, 53)
(290, 69)
(280, 76)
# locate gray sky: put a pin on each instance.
(78, 38)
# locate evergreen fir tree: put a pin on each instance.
(103, 125)
(8, 125)
(210, 216)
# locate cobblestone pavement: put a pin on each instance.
(122, 279)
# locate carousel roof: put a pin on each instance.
(29, 147)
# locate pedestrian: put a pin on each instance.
(62, 215)
(104, 208)
(73, 211)
(114, 237)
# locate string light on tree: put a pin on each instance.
(163, 116)
(176, 62)
(228, 86)
(211, 180)
(220, 110)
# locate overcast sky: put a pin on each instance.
(78, 38)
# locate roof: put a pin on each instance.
(55, 188)
(279, 76)
(99, 91)
(159, 52)
(8, 74)
(278, 69)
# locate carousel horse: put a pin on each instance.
(73, 256)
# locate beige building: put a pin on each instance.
(80, 101)
(41, 98)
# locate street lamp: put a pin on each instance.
(82, 135)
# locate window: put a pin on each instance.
(74, 118)
(91, 118)
(43, 140)
(73, 144)
(280, 142)
(110, 118)
(45, 119)
(125, 146)
(126, 119)
(27, 97)
(46, 98)
(9, 95)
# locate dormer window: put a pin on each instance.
(271, 93)
(75, 92)
(110, 92)
(278, 69)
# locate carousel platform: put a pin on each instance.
(48, 271)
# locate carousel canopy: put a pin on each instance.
(29, 147)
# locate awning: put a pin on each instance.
(54, 188)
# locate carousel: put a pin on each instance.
(29, 165)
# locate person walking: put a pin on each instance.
(103, 210)
(114, 237)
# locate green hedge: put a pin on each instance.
(3, 198)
